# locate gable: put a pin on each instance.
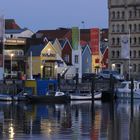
(48, 53)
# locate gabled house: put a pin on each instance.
(52, 62)
(86, 59)
(57, 46)
(67, 52)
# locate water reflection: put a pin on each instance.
(73, 121)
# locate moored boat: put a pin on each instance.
(86, 96)
(50, 97)
(124, 90)
(5, 97)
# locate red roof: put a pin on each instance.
(11, 24)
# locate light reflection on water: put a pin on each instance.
(74, 121)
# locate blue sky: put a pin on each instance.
(52, 14)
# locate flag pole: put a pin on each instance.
(31, 66)
(129, 58)
(3, 47)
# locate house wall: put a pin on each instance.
(67, 51)
(36, 66)
(86, 62)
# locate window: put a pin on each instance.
(139, 54)
(123, 14)
(139, 12)
(113, 41)
(134, 68)
(118, 15)
(122, 27)
(113, 15)
(139, 27)
(130, 27)
(11, 36)
(66, 58)
(113, 28)
(139, 40)
(118, 54)
(113, 54)
(134, 54)
(135, 12)
(130, 54)
(118, 41)
(139, 68)
(76, 59)
(135, 27)
(130, 14)
(118, 27)
(130, 40)
(87, 60)
(135, 40)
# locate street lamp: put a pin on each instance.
(11, 63)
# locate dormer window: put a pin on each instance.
(11, 36)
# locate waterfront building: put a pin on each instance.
(124, 20)
(68, 44)
(46, 61)
(14, 46)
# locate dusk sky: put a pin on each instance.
(52, 14)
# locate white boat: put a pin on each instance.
(86, 96)
(20, 96)
(5, 97)
(124, 90)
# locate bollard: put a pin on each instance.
(132, 97)
(93, 87)
(111, 86)
(58, 79)
(76, 84)
(132, 87)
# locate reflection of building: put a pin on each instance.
(124, 18)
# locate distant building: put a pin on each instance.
(124, 20)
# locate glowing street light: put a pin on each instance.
(11, 63)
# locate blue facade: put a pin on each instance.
(43, 86)
(86, 60)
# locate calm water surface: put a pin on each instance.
(73, 121)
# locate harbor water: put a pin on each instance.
(77, 120)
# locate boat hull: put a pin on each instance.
(48, 99)
(97, 96)
(4, 97)
(128, 95)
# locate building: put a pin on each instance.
(124, 20)
(86, 59)
(15, 40)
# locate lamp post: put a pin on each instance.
(11, 63)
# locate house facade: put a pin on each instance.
(86, 59)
